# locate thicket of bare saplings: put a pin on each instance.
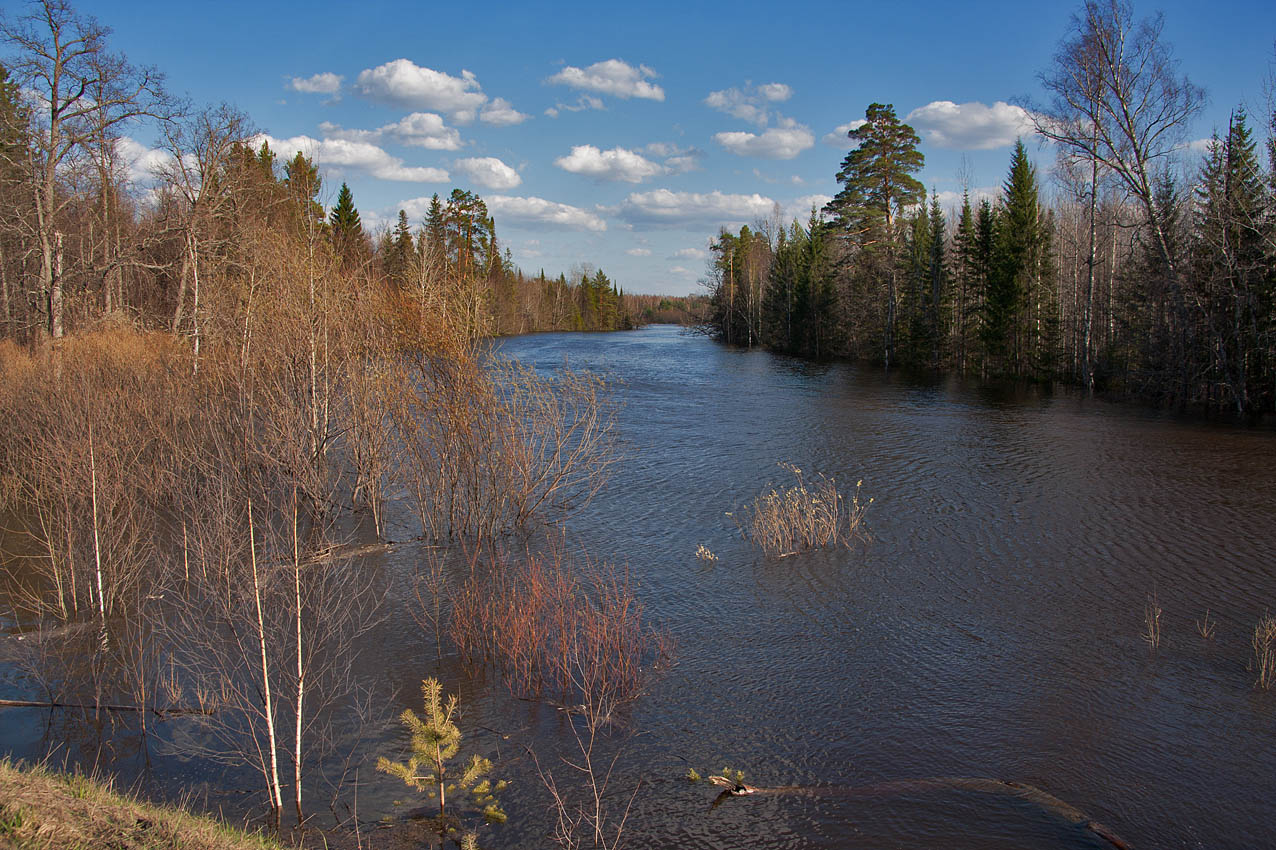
(208, 381)
(172, 502)
(558, 626)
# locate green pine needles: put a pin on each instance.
(436, 740)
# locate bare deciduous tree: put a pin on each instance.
(1116, 101)
(82, 92)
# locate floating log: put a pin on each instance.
(1031, 793)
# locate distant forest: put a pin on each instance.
(81, 241)
(1140, 276)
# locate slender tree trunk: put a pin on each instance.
(6, 305)
(181, 291)
(1087, 370)
(276, 797)
(301, 669)
(193, 247)
(97, 545)
(55, 289)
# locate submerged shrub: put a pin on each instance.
(1152, 622)
(572, 630)
(807, 515)
(1265, 651)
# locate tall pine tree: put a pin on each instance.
(877, 186)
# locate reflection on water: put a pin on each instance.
(990, 628)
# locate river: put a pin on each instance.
(990, 628)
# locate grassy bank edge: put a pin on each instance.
(41, 808)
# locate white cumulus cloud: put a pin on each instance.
(404, 83)
(143, 164)
(691, 253)
(538, 213)
(489, 172)
(424, 130)
(639, 252)
(347, 154)
(799, 209)
(614, 77)
(970, 126)
(501, 113)
(420, 129)
(750, 103)
(677, 160)
(323, 83)
(775, 91)
(617, 164)
(772, 143)
(664, 208)
(951, 199)
(838, 138)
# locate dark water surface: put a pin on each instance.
(991, 628)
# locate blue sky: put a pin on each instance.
(623, 136)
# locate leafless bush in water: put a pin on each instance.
(557, 627)
(1264, 644)
(807, 515)
(487, 444)
(574, 631)
(587, 811)
(1152, 623)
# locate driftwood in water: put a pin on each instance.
(1044, 800)
(158, 712)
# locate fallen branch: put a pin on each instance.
(734, 786)
(158, 712)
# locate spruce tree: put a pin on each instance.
(347, 229)
(965, 247)
(1233, 237)
(936, 306)
(1015, 273)
(435, 743)
(986, 226)
(436, 231)
(397, 251)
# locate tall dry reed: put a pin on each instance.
(1264, 643)
(807, 515)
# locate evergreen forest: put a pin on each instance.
(1128, 265)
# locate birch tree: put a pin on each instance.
(79, 93)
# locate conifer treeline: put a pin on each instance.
(1172, 300)
(456, 247)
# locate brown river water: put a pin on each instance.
(989, 629)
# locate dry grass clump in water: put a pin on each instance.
(1265, 651)
(1152, 622)
(43, 809)
(809, 515)
(1205, 628)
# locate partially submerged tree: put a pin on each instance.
(435, 742)
(1118, 103)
